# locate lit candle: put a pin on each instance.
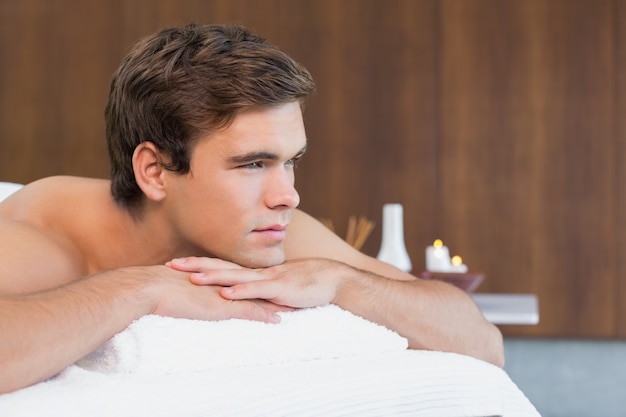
(438, 257)
(457, 265)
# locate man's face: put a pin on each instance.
(236, 201)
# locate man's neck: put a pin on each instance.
(147, 239)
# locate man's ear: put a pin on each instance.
(149, 173)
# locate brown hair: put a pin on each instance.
(182, 83)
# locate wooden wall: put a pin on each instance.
(498, 124)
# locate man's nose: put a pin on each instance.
(281, 190)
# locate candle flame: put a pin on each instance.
(437, 244)
(456, 260)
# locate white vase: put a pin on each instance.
(392, 248)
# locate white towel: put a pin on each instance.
(163, 345)
(404, 383)
(8, 188)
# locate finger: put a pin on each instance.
(265, 290)
(200, 264)
(225, 277)
(251, 310)
(268, 305)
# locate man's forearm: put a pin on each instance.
(430, 314)
(47, 331)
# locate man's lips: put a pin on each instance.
(275, 231)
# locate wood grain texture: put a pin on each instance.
(619, 159)
(527, 151)
(54, 75)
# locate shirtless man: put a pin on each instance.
(199, 220)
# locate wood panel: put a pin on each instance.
(53, 85)
(143, 17)
(619, 186)
(527, 148)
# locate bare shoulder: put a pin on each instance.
(31, 261)
(49, 189)
(309, 238)
(36, 249)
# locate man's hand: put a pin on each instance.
(297, 283)
(179, 297)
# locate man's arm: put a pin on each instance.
(50, 316)
(46, 331)
(324, 269)
(430, 314)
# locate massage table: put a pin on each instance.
(321, 361)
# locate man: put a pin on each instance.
(199, 220)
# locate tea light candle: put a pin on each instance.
(457, 265)
(438, 257)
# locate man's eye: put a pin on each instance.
(253, 165)
(293, 162)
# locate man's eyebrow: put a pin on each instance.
(259, 156)
(301, 152)
(252, 156)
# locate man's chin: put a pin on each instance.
(263, 259)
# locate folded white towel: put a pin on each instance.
(163, 345)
